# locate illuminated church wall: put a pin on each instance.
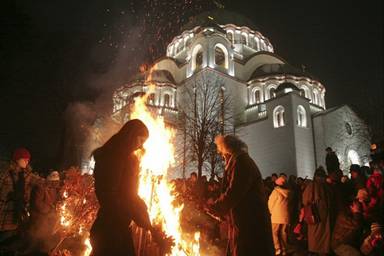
(253, 76)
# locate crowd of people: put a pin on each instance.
(330, 214)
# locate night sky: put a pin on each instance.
(58, 55)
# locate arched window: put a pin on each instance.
(230, 36)
(315, 97)
(353, 157)
(188, 42)
(304, 91)
(301, 116)
(257, 96)
(278, 116)
(257, 43)
(151, 99)
(197, 57)
(167, 100)
(269, 92)
(262, 46)
(272, 93)
(180, 46)
(244, 38)
(221, 56)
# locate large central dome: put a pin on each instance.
(220, 16)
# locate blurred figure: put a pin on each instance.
(278, 205)
(243, 201)
(274, 177)
(358, 179)
(43, 215)
(319, 234)
(348, 228)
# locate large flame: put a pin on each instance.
(154, 187)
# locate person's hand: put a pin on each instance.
(164, 242)
(355, 207)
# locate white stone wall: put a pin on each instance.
(273, 149)
(330, 131)
(304, 143)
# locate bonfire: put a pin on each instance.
(77, 211)
(154, 188)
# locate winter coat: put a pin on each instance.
(10, 206)
(319, 235)
(348, 228)
(278, 205)
(243, 203)
(116, 176)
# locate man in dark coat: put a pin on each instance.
(116, 182)
(331, 161)
(243, 202)
(319, 234)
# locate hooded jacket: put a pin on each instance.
(278, 205)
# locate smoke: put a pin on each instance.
(131, 35)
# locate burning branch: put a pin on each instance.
(77, 208)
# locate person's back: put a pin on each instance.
(319, 235)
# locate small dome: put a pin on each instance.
(161, 76)
(286, 85)
(278, 69)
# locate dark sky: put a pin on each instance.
(56, 53)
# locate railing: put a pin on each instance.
(262, 114)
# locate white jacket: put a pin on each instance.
(278, 205)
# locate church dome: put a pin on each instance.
(279, 69)
(157, 75)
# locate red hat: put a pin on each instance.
(21, 153)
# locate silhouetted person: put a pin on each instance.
(116, 182)
(331, 160)
(243, 201)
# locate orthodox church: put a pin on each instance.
(277, 109)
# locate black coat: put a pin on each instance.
(116, 184)
(243, 202)
(332, 162)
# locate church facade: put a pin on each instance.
(277, 109)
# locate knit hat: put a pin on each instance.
(53, 176)
(21, 153)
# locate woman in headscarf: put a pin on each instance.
(116, 182)
(243, 201)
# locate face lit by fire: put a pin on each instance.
(140, 140)
(22, 163)
(221, 148)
